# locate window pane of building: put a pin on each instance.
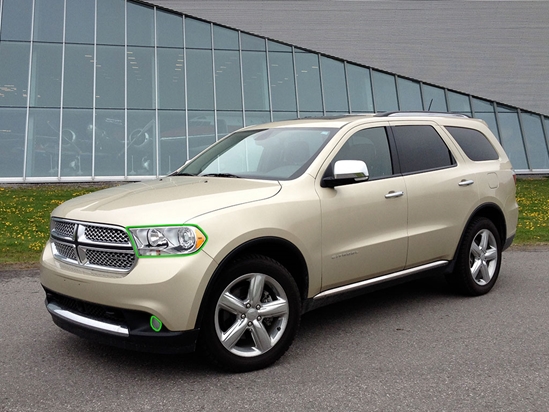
(110, 74)
(171, 79)
(169, 29)
(46, 75)
(227, 80)
(198, 34)
(334, 86)
(80, 21)
(536, 145)
(279, 116)
(253, 118)
(16, 20)
(228, 122)
(282, 81)
(201, 131)
(173, 140)
(48, 20)
(511, 137)
(111, 21)
(434, 99)
(76, 142)
(485, 110)
(200, 94)
(249, 42)
(224, 38)
(78, 80)
(43, 143)
(546, 124)
(459, 103)
(12, 141)
(141, 78)
(140, 25)
(256, 85)
(278, 47)
(360, 89)
(110, 143)
(141, 151)
(385, 96)
(310, 114)
(409, 95)
(308, 82)
(14, 76)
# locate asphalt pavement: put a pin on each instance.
(414, 347)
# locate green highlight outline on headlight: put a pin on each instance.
(136, 250)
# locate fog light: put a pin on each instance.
(156, 324)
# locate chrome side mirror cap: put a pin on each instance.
(347, 172)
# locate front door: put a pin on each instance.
(364, 225)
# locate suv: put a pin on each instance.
(274, 220)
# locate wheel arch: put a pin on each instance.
(490, 211)
(281, 250)
(494, 213)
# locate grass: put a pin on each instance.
(25, 211)
(533, 200)
(25, 218)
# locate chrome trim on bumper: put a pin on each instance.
(380, 279)
(67, 315)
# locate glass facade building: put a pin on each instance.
(124, 90)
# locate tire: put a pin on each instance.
(252, 315)
(478, 260)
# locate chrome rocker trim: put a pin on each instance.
(380, 279)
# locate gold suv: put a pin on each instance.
(274, 220)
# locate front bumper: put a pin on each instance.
(170, 288)
(122, 328)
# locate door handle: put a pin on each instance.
(466, 183)
(392, 194)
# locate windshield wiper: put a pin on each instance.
(220, 175)
(182, 174)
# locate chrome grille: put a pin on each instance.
(64, 229)
(92, 245)
(106, 234)
(110, 259)
(66, 251)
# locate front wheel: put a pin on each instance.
(252, 315)
(478, 259)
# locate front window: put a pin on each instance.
(273, 154)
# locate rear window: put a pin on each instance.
(476, 145)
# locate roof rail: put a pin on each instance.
(420, 113)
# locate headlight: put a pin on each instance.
(167, 240)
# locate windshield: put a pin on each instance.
(274, 154)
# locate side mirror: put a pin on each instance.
(347, 172)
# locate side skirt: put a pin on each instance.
(369, 285)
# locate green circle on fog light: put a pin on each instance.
(156, 324)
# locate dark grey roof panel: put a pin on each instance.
(493, 49)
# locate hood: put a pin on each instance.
(171, 200)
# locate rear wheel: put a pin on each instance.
(252, 315)
(478, 259)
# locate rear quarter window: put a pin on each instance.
(475, 144)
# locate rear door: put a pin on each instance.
(441, 194)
